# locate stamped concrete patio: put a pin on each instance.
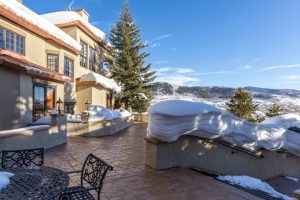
(131, 179)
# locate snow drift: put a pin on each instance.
(170, 119)
(99, 113)
(4, 179)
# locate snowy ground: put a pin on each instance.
(4, 179)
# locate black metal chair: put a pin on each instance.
(22, 158)
(93, 173)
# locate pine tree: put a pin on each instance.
(128, 64)
(274, 110)
(241, 104)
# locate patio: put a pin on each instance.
(131, 179)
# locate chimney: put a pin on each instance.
(83, 13)
(20, 1)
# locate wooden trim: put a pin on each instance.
(85, 29)
(35, 29)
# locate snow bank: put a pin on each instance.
(44, 120)
(99, 113)
(101, 80)
(4, 179)
(74, 118)
(254, 184)
(63, 17)
(30, 128)
(31, 17)
(168, 120)
(286, 121)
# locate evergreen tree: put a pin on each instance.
(274, 110)
(241, 104)
(128, 64)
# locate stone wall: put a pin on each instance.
(45, 136)
(191, 151)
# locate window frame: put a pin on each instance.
(12, 41)
(84, 54)
(68, 70)
(56, 67)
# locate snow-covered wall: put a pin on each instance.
(168, 120)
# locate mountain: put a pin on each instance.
(288, 99)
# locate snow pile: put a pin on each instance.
(74, 118)
(286, 121)
(254, 184)
(168, 120)
(44, 120)
(292, 178)
(4, 179)
(63, 17)
(31, 17)
(30, 128)
(99, 113)
(29, 68)
(101, 80)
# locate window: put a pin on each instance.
(1, 37)
(92, 60)
(19, 44)
(12, 41)
(69, 107)
(53, 62)
(84, 54)
(68, 66)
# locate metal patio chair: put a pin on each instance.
(93, 173)
(22, 158)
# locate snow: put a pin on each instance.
(142, 95)
(99, 113)
(24, 129)
(292, 178)
(168, 120)
(4, 179)
(254, 184)
(31, 17)
(63, 17)
(101, 80)
(286, 121)
(29, 68)
(44, 120)
(74, 118)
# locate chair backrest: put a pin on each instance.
(22, 158)
(94, 171)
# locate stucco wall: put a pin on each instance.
(10, 92)
(190, 151)
(25, 100)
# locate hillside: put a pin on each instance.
(265, 97)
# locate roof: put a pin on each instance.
(97, 79)
(25, 17)
(67, 17)
(26, 67)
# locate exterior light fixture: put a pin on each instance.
(59, 103)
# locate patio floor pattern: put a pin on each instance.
(131, 179)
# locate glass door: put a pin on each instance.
(43, 100)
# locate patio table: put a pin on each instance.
(35, 183)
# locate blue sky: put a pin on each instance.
(209, 42)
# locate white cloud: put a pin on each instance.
(155, 45)
(161, 37)
(292, 77)
(179, 80)
(217, 72)
(161, 62)
(275, 67)
(247, 66)
(184, 70)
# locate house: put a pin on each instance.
(93, 52)
(40, 63)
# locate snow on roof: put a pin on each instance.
(286, 120)
(31, 17)
(63, 17)
(30, 68)
(101, 80)
(171, 108)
